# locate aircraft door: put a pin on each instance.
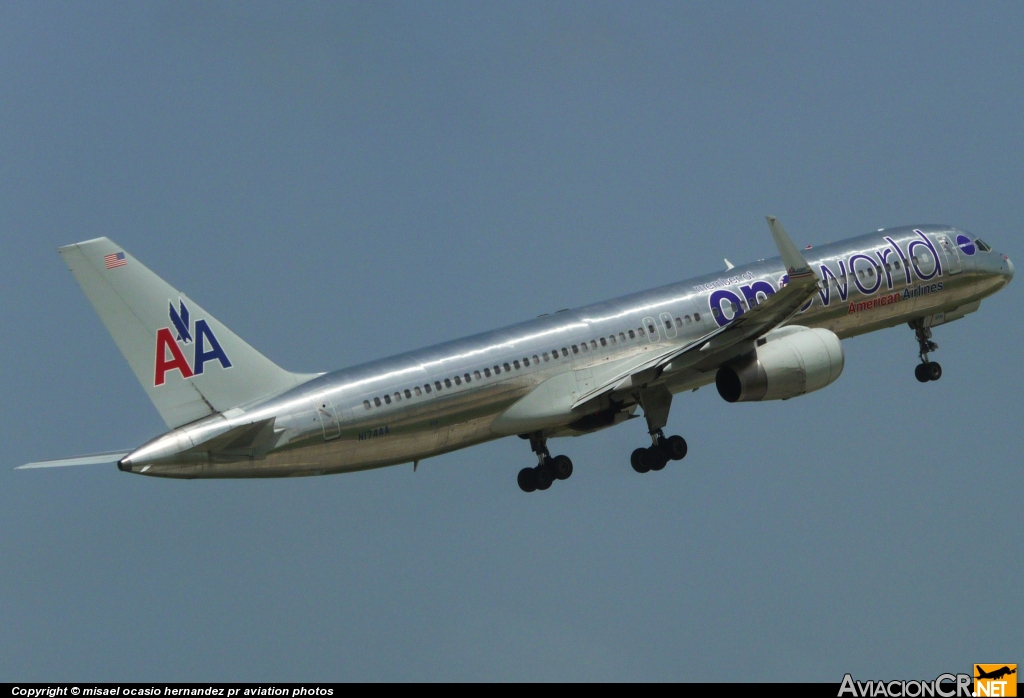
(651, 328)
(667, 326)
(328, 416)
(951, 253)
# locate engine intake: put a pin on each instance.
(801, 361)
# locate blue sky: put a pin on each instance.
(339, 182)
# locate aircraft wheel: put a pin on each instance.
(921, 373)
(544, 477)
(660, 457)
(934, 371)
(649, 458)
(675, 447)
(637, 460)
(527, 480)
(562, 467)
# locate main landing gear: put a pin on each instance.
(926, 370)
(657, 456)
(548, 469)
(656, 403)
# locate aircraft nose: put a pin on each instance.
(1007, 268)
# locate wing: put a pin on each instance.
(732, 339)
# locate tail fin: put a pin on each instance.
(189, 364)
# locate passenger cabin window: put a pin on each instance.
(487, 372)
(507, 367)
(565, 352)
(408, 395)
(515, 364)
(622, 337)
(632, 335)
(604, 342)
(547, 356)
(447, 383)
(376, 401)
(593, 344)
(398, 397)
(387, 399)
(437, 384)
(584, 346)
(366, 404)
(688, 320)
(679, 322)
(535, 359)
(427, 387)
(716, 312)
(696, 317)
(575, 349)
(476, 374)
(497, 370)
(458, 381)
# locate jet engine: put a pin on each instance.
(796, 361)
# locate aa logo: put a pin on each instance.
(169, 356)
(995, 680)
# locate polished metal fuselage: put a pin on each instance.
(341, 421)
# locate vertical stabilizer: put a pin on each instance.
(189, 364)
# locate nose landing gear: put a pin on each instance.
(926, 370)
(548, 468)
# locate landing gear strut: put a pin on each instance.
(926, 370)
(656, 403)
(548, 469)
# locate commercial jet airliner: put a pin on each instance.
(765, 331)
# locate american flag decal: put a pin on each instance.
(115, 259)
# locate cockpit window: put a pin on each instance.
(982, 246)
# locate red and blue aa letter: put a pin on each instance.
(165, 341)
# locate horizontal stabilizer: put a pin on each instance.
(94, 459)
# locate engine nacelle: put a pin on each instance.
(800, 361)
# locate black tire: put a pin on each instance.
(527, 480)
(675, 447)
(650, 458)
(562, 467)
(661, 458)
(634, 460)
(921, 373)
(934, 371)
(543, 476)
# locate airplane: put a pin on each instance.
(770, 330)
(996, 674)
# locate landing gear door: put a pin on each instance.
(328, 416)
(951, 253)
